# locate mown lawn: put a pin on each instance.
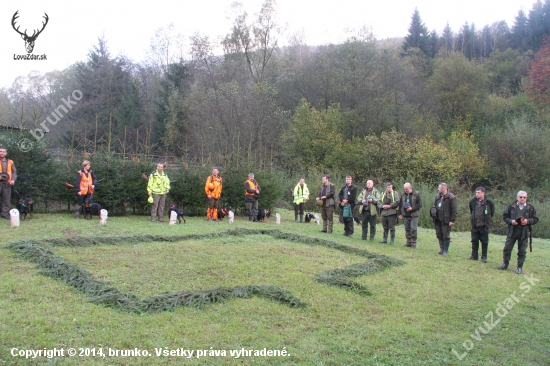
(427, 311)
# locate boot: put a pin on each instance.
(520, 266)
(484, 247)
(504, 265)
(413, 239)
(364, 234)
(330, 226)
(249, 218)
(408, 236)
(446, 244)
(475, 250)
(295, 217)
(440, 246)
(301, 217)
(392, 240)
(77, 211)
(385, 240)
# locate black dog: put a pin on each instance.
(309, 217)
(25, 206)
(263, 214)
(222, 212)
(90, 208)
(179, 213)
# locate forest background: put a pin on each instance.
(467, 106)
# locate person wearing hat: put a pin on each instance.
(158, 187)
(410, 204)
(8, 175)
(85, 185)
(251, 196)
(388, 205)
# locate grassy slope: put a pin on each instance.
(419, 312)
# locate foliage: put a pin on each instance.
(538, 87)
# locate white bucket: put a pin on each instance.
(277, 219)
(14, 217)
(103, 216)
(173, 217)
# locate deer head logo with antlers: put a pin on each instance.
(29, 40)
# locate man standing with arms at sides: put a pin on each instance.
(158, 186)
(85, 185)
(251, 196)
(446, 206)
(367, 200)
(388, 204)
(301, 195)
(519, 216)
(8, 175)
(326, 196)
(347, 197)
(410, 205)
(482, 210)
(213, 189)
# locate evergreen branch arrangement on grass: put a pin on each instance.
(56, 267)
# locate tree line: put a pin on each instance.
(462, 107)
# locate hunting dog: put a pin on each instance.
(25, 206)
(309, 217)
(179, 213)
(222, 212)
(91, 208)
(263, 214)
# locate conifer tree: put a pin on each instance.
(418, 36)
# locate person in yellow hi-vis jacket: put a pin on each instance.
(158, 186)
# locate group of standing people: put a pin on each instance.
(390, 205)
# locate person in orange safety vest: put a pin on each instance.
(8, 175)
(213, 190)
(85, 185)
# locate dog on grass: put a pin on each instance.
(309, 217)
(91, 208)
(222, 212)
(179, 213)
(263, 214)
(25, 206)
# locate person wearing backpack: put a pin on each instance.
(446, 211)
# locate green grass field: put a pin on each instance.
(431, 310)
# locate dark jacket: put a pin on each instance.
(327, 191)
(447, 208)
(509, 215)
(415, 201)
(352, 194)
(488, 209)
(391, 199)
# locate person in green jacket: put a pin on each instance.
(301, 195)
(158, 186)
(368, 199)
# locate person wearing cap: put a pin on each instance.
(85, 185)
(8, 175)
(158, 186)
(251, 196)
(367, 201)
(388, 205)
(410, 205)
